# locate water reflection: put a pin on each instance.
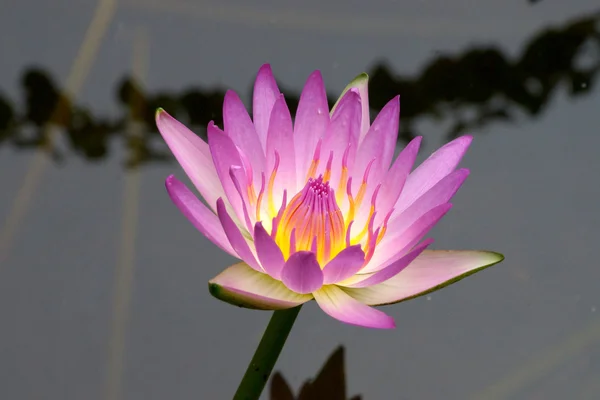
(329, 384)
(528, 340)
(470, 90)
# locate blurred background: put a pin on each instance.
(103, 284)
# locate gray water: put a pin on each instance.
(103, 284)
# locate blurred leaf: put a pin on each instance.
(280, 389)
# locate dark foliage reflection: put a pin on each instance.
(329, 384)
(469, 91)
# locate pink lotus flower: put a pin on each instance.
(314, 207)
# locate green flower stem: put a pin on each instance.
(266, 354)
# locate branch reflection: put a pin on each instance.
(469, 91)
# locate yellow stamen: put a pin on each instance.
(364, 231)
(315, 162)
(260, 196)
(251, 194)
(315, 222)
(350, 216)
(327, 173)
(272, 209)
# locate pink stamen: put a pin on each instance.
(370, 231)
(249, 177)
(348, 233)
(351, 208)
(272, 184)
(260, 196)
(371, 250)
(315, 162)
(371, 213)
(238, 188)
(344, 175)
(384, 226)
(363, 186)
(327, 174)
(277, 218)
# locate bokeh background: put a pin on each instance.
(103, 291)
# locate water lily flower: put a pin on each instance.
(315, 207)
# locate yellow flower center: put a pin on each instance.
(312, 221)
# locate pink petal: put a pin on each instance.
(238, 126)
(268, 252)
(343, 130)
(302, 273)
(264, 97)
(193, 155)
(379, 142)
(280, 138)
(396, 244)
(431, 171)
(394, 179)
(345, 264)
(432, 270)
(237, 241)
(198, 214)
(312, 119)
(225, 155)
(339, 305)
(391, 270)
(242, 286)
(361, 84)
(441, 193)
